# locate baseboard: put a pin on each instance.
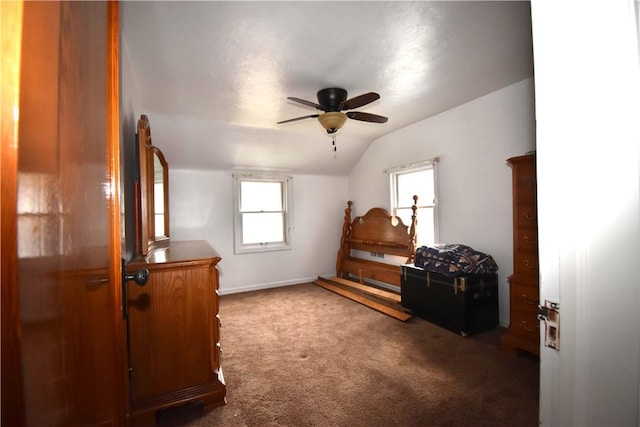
(270, 285)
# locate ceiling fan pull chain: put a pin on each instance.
(333, 144)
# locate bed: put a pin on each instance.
(373, 283)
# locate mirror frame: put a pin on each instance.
(146, 237)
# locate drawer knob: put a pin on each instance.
(528, 217)
(528, 301)
(528, 264)
(528, 240)
(525, 325)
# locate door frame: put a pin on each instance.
(13, 412)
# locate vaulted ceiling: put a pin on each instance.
(214, 76)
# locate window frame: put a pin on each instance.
(286, 183)
(422, 206)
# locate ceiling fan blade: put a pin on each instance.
(366, 117)
(307, 103)
(359, 101)
(298, 118)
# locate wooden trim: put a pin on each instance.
(373, 270)
(390, 296)
(115, 230)
(397, 314)
(144, 141)
(13, 406)
(344, 250)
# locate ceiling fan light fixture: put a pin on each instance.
(332, 121)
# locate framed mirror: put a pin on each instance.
(153, 205)
(160, 195)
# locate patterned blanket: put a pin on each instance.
(454, 260)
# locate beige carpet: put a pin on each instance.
(304, 356)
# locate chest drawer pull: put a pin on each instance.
(528, 264)
(525, 325)
(528, 301)
(528, 217)
(528, 240)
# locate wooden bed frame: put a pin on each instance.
(379, 232)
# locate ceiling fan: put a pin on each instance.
(332, 101)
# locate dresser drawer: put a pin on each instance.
(526, 240)
(525, 194)
(526, 264)
(525, 325)
(524, 298)
(525, 216)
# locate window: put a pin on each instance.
(262, 217)
(416, 179)
(158, 208)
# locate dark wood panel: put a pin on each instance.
(72, 343)
(170, 332)
(524, 297)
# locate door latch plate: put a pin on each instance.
(549, 313)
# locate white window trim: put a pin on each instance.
(287, 184)
(415, 167)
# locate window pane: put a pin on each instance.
(158, 198)
(262, 228)
(158, 207)
(159, 224)
(256, 196)
(425, 229)
(405, 216)
(418, 183)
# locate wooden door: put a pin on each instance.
(63, 336)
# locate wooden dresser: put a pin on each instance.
(174, 352)
(524, 328)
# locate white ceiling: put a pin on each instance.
(213, 77)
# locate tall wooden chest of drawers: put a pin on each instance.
(524, 328)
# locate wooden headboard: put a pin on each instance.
(378, 232)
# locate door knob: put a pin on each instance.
(140, 278)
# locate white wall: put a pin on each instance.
(201, 206)
(473, 141)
